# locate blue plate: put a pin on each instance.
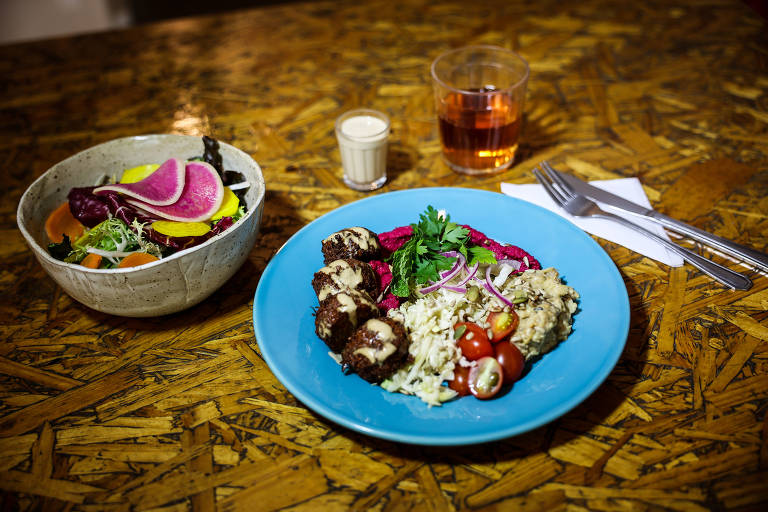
(558, 382)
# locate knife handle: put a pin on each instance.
(718, 272)
(754, 257)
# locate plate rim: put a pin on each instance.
(451, 440)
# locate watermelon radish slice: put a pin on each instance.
(161, 188)
(201, 197)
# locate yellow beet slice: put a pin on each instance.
(173, 228)
(229, 205)
(138, 173)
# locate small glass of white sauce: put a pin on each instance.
(362, 135)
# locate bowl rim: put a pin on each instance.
(21, 220)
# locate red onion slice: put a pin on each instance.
(461, 264)
(503, 269)
(452, 254)
(471, 272)
(512, 263)
(489, 286)
(460, 260)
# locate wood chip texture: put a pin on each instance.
(100, 413)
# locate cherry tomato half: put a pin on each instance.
(485, 378)
(503, 324)
(511, 360)
(472, 341)
(460, 382)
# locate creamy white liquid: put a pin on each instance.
(364, 127)
(363, 147)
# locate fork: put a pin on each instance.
(577, 205)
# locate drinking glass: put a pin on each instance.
(479, 95)
(362, 137)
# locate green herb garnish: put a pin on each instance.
(419, 261)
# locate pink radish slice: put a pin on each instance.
(161, 188)
(201, 198)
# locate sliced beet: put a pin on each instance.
(161, 188)
(201, 197)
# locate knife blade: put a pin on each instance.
(741, 252)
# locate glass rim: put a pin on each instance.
(501, 49)
(362, 112)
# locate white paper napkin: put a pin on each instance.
(628, 188)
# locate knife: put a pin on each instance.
(741, 252)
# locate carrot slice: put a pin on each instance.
(91, 261)
(135, 259)
(61, 222)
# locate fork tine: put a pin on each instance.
(558, 199)
(563, 186)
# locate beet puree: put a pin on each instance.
(503, 252)
(390, 300)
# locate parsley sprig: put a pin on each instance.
(419, 262)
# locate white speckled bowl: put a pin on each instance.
(166, 286)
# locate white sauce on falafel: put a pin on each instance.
(343, 276)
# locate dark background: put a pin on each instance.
(146, 11)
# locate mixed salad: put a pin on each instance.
(475, 311)
(149, 213)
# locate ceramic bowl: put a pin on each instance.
(158, 288)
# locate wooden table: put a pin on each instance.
(175, 413)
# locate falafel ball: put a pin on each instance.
(377, 349)
(345, 274)
(357, 242)
(340, 314)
